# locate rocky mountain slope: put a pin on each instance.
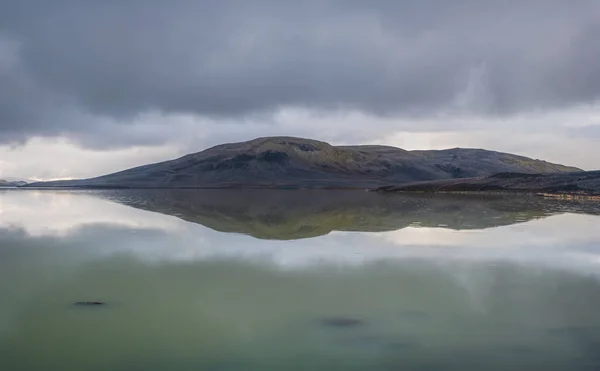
(576, 183)
(286, 162)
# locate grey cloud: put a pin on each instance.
(230, 58)
(587, 131)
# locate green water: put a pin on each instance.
(520, 294)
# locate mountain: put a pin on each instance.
(8, 183)
(285, 215)
(287, 162)
(577, 183)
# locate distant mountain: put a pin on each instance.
(7, 183)
(577, 183)
(286, 162)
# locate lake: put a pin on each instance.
(297, 280)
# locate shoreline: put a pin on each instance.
(573, 195)
(553, 195)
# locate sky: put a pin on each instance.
(92, 87)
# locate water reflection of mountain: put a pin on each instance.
(273, 214)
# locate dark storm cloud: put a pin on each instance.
(65, 59)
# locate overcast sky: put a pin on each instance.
(91, 87)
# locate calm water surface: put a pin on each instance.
(290, 280)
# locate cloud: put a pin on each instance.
(47, 159)
(95, 71)
(568, 136)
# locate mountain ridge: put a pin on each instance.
(584, 183)
(291, 162)
(10, 183)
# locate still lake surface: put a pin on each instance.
(297, 280)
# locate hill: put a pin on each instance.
(578, 183)
(7, 183)
(286, 162)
